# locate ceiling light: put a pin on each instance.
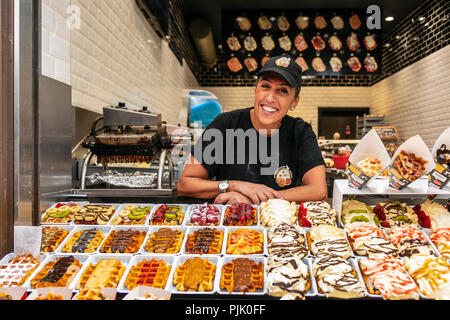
(390, 18)
(421, 18)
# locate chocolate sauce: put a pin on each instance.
(203, 240)
(84, 240)
(59, 270)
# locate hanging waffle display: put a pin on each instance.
(338, 34)
(123, 241)
(245, 241)
(152, 273)
(205, 241)
(106, 273)
(17, 270)
(195, 274)
(58, 273)
(84, 241)
(242, 275)
(165, 240)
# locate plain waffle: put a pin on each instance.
(123, 241)
(242, 275)
(245, 241)
(18, 270)
(52, 238)
(204, 241)
(105, 274)
(84, 241)
(153, 273)
(165, 240)
(59, 273)
(91, 294)
(195, 274)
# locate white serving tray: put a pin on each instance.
(105, 229)
(122, 207)
(232, 229)
(191, 230)
(118, 228)
(78, 203)
(156, 206)
(65, 227)
(187, 220)
(253, 225)
(154, 229)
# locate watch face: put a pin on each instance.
(223, 185)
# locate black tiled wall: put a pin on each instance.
(423, 32)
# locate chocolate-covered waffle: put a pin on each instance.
(94, 214)
(52, 238)
(195, 274)
(84, 241)
(58, 273)
(337, 278)
(168, 215)
(286, 240)
(204, 241)
(152, 273)
(409, 166)
(131, 215)
(18, 270)
(245, 241)
(104, 274)
(242, 275)
(123, 241)
(240, 215)
(61, 213)
(165, 240)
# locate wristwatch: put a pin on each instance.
(223, 186)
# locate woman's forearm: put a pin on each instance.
(197, 188)
(305, 193)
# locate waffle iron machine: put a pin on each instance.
(128, 136)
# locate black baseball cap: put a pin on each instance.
(286, 67)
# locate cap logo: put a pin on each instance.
(283, 62)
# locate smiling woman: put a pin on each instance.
(276, 156)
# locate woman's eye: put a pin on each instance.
(283, 91)
(265, 85)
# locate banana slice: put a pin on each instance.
(124, 213)
(130, 207)
(116, 221)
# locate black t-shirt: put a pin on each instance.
(231, 149)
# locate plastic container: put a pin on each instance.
(191, 230)
(119, 228)
(340, 162)
(154, 229)
(105, 229)
(259, 229)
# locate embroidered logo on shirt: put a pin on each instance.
(283, 62)
(283, 176)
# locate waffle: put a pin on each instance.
(409, 166)
(276, 211)
(242, 275)
(59, 273)
(315, 213)
(240, 215)
(195, 274)
(49, 296)
(123, 241)
(18, 270)
(286, 240)
(131, 215)
(366, 240)
(52, 238)
(204, 215)
(370, 166)
(91, 294)
(204, 241)
(153, 273)
(168, 215)
(395, 214)
(441, 239)
(410, 241)
(337, 278)
(287, 278)
(84, 241)
(326, 239)
(94, 214)
(61, 213)
(5, 296)
(357, 212)
(245, 241)
(105, 274)
(165, 240)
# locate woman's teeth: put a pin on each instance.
(269, 109)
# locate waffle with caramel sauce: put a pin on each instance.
(104, 274)
(205, 241)
(195, 274)
(245, 241)
(58, 273)
(52, 237)
(123, 241)
(242, 275)
(152, 273)
(165, 240)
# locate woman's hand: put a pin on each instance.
(257, 193)
(231, 197)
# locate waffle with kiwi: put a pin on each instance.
(131, 215)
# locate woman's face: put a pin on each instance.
(273, 99)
